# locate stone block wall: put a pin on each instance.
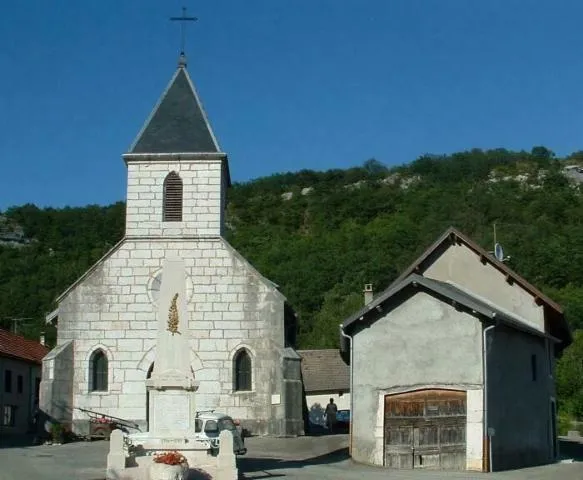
(56, 387)
(230, 307)
(203, 198)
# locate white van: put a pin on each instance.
(209, 424)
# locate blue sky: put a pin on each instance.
(287, 84)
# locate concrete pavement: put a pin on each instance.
(326, 458)
(307, 458)
(72, 461)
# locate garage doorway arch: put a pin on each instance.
(426, 429)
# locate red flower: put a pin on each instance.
(170, 458)
(101, 420)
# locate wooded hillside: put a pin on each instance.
(322, 235)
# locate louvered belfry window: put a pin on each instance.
(172, 208)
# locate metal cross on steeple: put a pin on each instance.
(183, 19)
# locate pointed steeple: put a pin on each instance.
(178, 123)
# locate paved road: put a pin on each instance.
(307, 458)
(73, 461)
(326, 458)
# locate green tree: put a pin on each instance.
(569, 372)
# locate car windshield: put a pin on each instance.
(226, 424)
(210, 426)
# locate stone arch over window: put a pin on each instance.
(98, 371)
(242, 371)
(146, 364)
(172, 203)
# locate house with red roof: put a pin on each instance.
(20, 376)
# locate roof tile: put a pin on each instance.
(178, 123)
(324, 370)
(16, 346)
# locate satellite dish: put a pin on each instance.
(498, 252)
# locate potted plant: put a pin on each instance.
(101, 427)
(57, 433)
(169, 466)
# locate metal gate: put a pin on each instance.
(426, 429)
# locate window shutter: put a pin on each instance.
(172, 208)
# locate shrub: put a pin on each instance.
(564, 422)
(57, 432)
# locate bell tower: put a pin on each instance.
(177, 173)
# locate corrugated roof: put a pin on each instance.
(16, 346)
(324, 371)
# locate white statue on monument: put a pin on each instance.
(172, 385)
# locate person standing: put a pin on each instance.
(331, 411)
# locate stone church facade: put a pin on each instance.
(243, 331)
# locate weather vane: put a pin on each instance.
(183, 19)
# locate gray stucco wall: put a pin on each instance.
(422, 342)
(24, 401)
(519, 407)
(459, 264)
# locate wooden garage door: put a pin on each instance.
(426, 429)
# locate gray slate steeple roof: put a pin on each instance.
(178, 123)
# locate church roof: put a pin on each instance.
(178, 123)
(16, 346)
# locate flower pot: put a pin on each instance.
(161, 471)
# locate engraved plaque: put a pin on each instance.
(171, 441)
(171, 412)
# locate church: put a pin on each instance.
(241, 327)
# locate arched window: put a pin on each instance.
(98, 371)
(172, 206)
(242, 380)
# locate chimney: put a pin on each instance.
(42, 339)
(368, 293)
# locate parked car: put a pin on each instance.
(343, 420)
(209, 424)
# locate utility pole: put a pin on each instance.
(16, 321)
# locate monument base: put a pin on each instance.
(172, 387)
(144, 445)
(172, 413)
